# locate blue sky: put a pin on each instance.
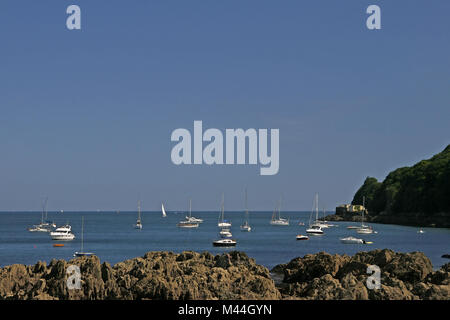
(86, 116)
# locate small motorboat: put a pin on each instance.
(301, 237)
(352, 240)
(315, 230)
(224, 243)
(353, 227)
(421, 231)
(58, 245)
(225, 233)
(82, 254)
(301, 223)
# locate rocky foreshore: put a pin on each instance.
(233, 275)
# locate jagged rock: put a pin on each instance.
(156, 275)
(232, 275)
(404, 276)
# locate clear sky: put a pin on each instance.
(86, 115)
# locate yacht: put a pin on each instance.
(45, 225)
(314, 229)
(39, 228)
(63, 233)
(352, 240)
(301, 237)
(224, 243)
(364, 229)
(192, 219)
(225, 233)
(278, 221)
(188, 223)
(222, 222)
(246, 226)
(164, 214)
(81, 253)
(138, 224)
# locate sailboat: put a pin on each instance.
(81, 252)
(192, 219)
(246, 226)
(188, 223)
(364, 228)
(315, 228)
(138, 224)
(44, 226)
(222, 222)
(278, 221)
(163, 211)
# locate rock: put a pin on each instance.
(404, 276)
(232, 275)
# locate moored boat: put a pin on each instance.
(222, 222)
(188, 223)
(301, 237)
(277, 220)
(138, 224)
(246, 225)
(352, 240)
(81, 253)
(224, 243)
(315, 230)
(63, 233)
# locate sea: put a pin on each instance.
(112, 237)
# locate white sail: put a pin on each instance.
(163, 211)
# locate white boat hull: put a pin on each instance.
(224, 243)
(224, 224)
(351, 240)
(63, 237)
(187, 225)
(365, 231)
(279, 223)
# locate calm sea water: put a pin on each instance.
(112, 238)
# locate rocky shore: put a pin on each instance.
(233, 275)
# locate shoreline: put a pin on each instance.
(407, 220)
(190, 275)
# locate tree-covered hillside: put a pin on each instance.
(422, 189)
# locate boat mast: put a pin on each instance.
(317, 206)
(223, 206)
(246, 208)
(362, 220)
(139, 210)
(82, 232)
(279, 209)
(190, 207)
